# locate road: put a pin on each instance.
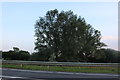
(18, 74)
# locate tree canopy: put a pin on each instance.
(63, 36)
(16, 54)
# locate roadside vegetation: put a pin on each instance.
(111, 70)
(65, 37)
(102, 56)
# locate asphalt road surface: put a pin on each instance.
(18, 74)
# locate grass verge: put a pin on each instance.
(112, 70)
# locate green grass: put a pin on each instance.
(64, 68)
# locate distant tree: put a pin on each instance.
(24, 55)
(8, 55)
(36, 57)
(16, 54)
(15, 49)
(107, 56)
(112, 55)
(100, 56)
(65, 37)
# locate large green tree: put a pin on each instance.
(63, 36)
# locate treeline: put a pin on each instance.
(65, 37)
(16, 54)
(102, 56)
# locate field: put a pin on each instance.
(112, 70)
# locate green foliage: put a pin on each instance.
(65, 37)
(112, 70)
(15, 49)
(107, 56)
(16, 54)
(112, 55)
(39, 57)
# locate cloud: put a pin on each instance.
(109, 37)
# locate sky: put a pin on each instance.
(18, 19)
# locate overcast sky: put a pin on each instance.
(18, 19)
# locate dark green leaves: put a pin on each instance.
(65, 37)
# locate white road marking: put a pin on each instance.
(18, 77)
(11, 77)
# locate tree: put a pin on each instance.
(100, 56)
(16, 54)
(23, 55)
(15, 49)
(65, 37)
(112, 55)
(107, 56)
